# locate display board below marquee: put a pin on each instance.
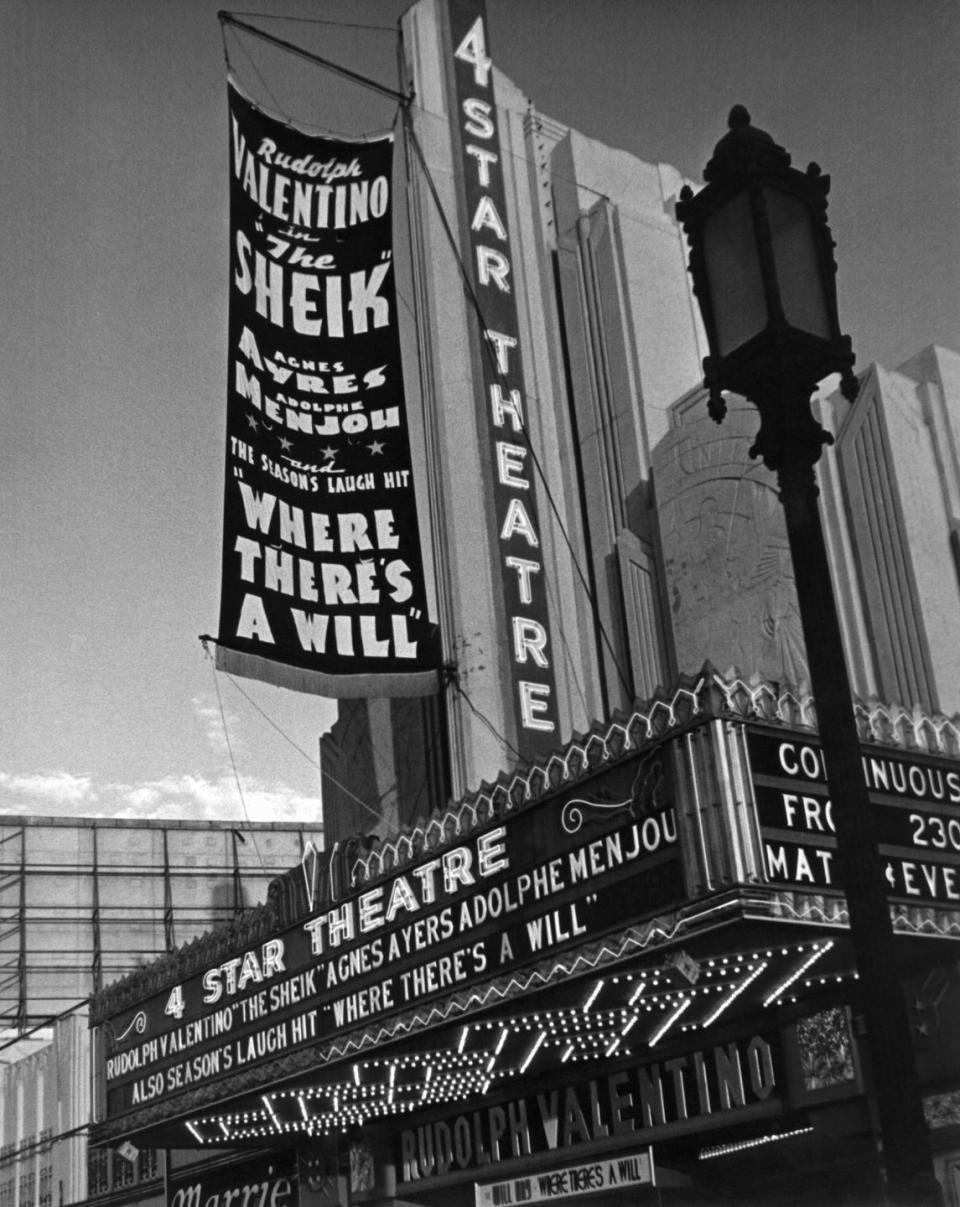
(652, 830)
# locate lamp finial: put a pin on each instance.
(744, 148)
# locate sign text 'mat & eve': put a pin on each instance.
(915, 802)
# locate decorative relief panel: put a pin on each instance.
(730, 587)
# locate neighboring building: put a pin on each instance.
(383, 762)
(895, 479)
(84, 901)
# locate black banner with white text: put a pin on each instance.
(322, 587)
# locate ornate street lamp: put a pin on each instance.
(761, 258)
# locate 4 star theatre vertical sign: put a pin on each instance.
(488, 243)
(322, 583)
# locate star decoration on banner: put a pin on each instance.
(329, 453)
(285, 444)
(376, 448)
(251, 420)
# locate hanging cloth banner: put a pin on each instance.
(322, 587)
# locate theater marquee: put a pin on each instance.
(557, 874)
(627, 859)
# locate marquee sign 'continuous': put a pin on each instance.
(553, 876)
(917, 803)
(322, 584)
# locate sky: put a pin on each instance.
(113, 252)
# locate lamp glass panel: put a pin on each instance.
(734, 276)
(799, 273)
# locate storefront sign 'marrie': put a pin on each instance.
(260, 1183)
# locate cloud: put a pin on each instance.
(59, 789)
(207, 712)
(196, 797)
(172, 798)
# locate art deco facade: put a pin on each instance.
(661, 544)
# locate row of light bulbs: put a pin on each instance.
(582, 1035)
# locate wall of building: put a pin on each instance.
(45, 1108)
(894, 485)
(84, 901)
(383, 762)
(726, 561)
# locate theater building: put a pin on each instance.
(596, 948)
(648, 540)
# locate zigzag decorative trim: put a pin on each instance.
(883, 723)
(831, 910)
(664, 929)
(694, 699)
(588, 752)
(707, 694)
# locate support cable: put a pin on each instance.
(259, 74)
(233, 762)
(32, 1146)
(45, 1023)
(315, 763)
(437, 507)
(486, 720)
(384, 29)
(226, 18)
(205, 638)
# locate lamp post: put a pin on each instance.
(761, 258)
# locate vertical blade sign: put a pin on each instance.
(322, 584)
(487, 239)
